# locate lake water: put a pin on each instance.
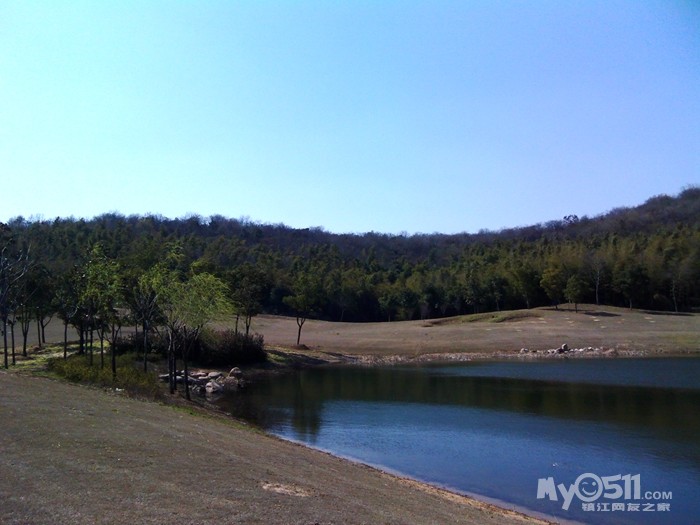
(493, 429)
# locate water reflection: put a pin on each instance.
(301, 397)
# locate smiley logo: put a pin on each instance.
(589, 487)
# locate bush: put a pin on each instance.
(133, 343)
(229, 348)
(130, 376)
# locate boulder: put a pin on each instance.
(215, 375)
(235, 372)
(231, 384)
(212, 387)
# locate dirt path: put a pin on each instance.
(76, 455)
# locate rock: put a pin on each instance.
(212, 387)
(214, 375)
(164, 377)
(235, 372)
(231, 384)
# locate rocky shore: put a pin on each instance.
(210, 382)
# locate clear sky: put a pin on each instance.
(368, 115)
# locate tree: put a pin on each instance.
(145, 297)
(66, 302)
(554, 281)
(13, 266)
(306, 298)
(631, 280)
(101, 296)
(250, 286)
(188, 306)
(575, 290)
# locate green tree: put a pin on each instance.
(250, 286)
(575, 290)
(554, 281)
(102, 297)
(188, 306)
(630, 279)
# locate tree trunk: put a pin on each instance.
(38, 331)
(92, 344)
(4, 338)
(185, 351)
(65, 340)
(43, 328)
(300, 323)
(113, 343)
(145, 346)
(171, 362)
(24, 327)
(12, 334)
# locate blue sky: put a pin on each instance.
(388, 116)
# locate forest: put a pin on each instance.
(82, 271)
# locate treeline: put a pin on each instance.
(643, 257)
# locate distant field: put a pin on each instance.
(535, 329)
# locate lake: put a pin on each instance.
(601, 441)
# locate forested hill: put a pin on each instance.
(646, 257)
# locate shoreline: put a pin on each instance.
(109, 437)
(449, 493)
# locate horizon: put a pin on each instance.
(206, 219)
(403, 118)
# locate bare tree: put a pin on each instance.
(13, 266)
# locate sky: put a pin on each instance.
(369, 115)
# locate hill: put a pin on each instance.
(642, 257)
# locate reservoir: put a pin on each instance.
(619, 437)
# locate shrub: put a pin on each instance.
(133, 343)
(229, 348)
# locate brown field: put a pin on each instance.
(497, 333)
(490, 333)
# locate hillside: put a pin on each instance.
(644, 257)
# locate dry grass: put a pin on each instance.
(502, 332)
(536, 329)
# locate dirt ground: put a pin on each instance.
(78, 455)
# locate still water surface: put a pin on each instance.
(494, 428)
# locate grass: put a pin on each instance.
(497, 317)
(129, 376)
